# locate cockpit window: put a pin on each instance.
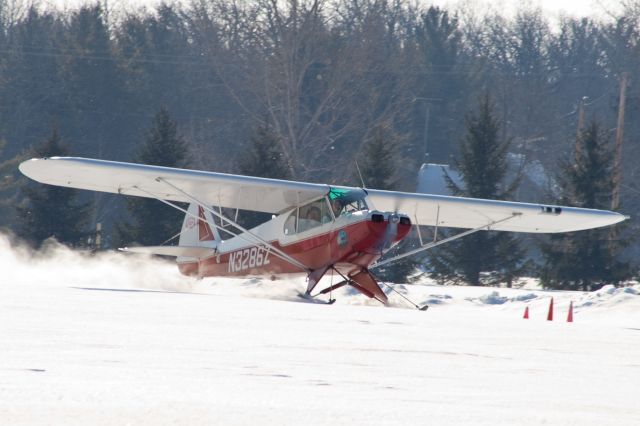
(314, 214)
(345, 201)
(318, 212)
(290, 224)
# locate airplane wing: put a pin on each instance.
(215, 189)
(469, 213)
(273, 196)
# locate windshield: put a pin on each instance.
(345, 201)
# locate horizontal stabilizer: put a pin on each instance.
(176, 251)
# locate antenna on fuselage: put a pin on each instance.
(360, 174)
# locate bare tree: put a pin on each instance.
(312, 81)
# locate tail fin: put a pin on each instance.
(199, 232)
(198, 238)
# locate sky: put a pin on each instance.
(552, 7)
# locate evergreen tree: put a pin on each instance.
(587, 259)
(378, 162)
(32, 81)
(264, 159)
(154, 222)
(5, 178)
(9, 190)
(378, 165)
(446, 81)
(484, 257)
(52, 211)
(93, 85)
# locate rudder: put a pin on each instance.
(199, 232)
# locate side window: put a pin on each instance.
(314, 214)
(327, 215)
(290, 223)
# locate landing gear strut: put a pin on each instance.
(363, 281)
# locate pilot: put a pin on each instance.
(337, 206)
(313, 214)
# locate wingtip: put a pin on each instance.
(610, 218)
(24, 166)
(613, 218)
(621, 217)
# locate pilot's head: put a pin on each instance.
(313, 214)
(337, 206)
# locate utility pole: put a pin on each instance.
(98, 240)
(617, 160)
(583, 103)
(427, 115)
(581, 106)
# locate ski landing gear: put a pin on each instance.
(361, 280)
(312, 298)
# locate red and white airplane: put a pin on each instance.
(315, 228)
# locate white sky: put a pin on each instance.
(552, 7)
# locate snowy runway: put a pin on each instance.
(112, 340)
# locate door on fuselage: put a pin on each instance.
(307, 232)
(316, 233)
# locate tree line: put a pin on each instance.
(325, 84)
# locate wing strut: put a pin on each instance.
(446, 240)
(269, 246)
(223, 218)
(188, 213)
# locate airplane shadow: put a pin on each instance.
(133, 290)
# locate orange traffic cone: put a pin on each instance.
(570, 315)
(550, 314)
(526, 313)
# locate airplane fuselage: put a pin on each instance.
(349, 243)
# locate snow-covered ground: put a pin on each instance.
(115, 339)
